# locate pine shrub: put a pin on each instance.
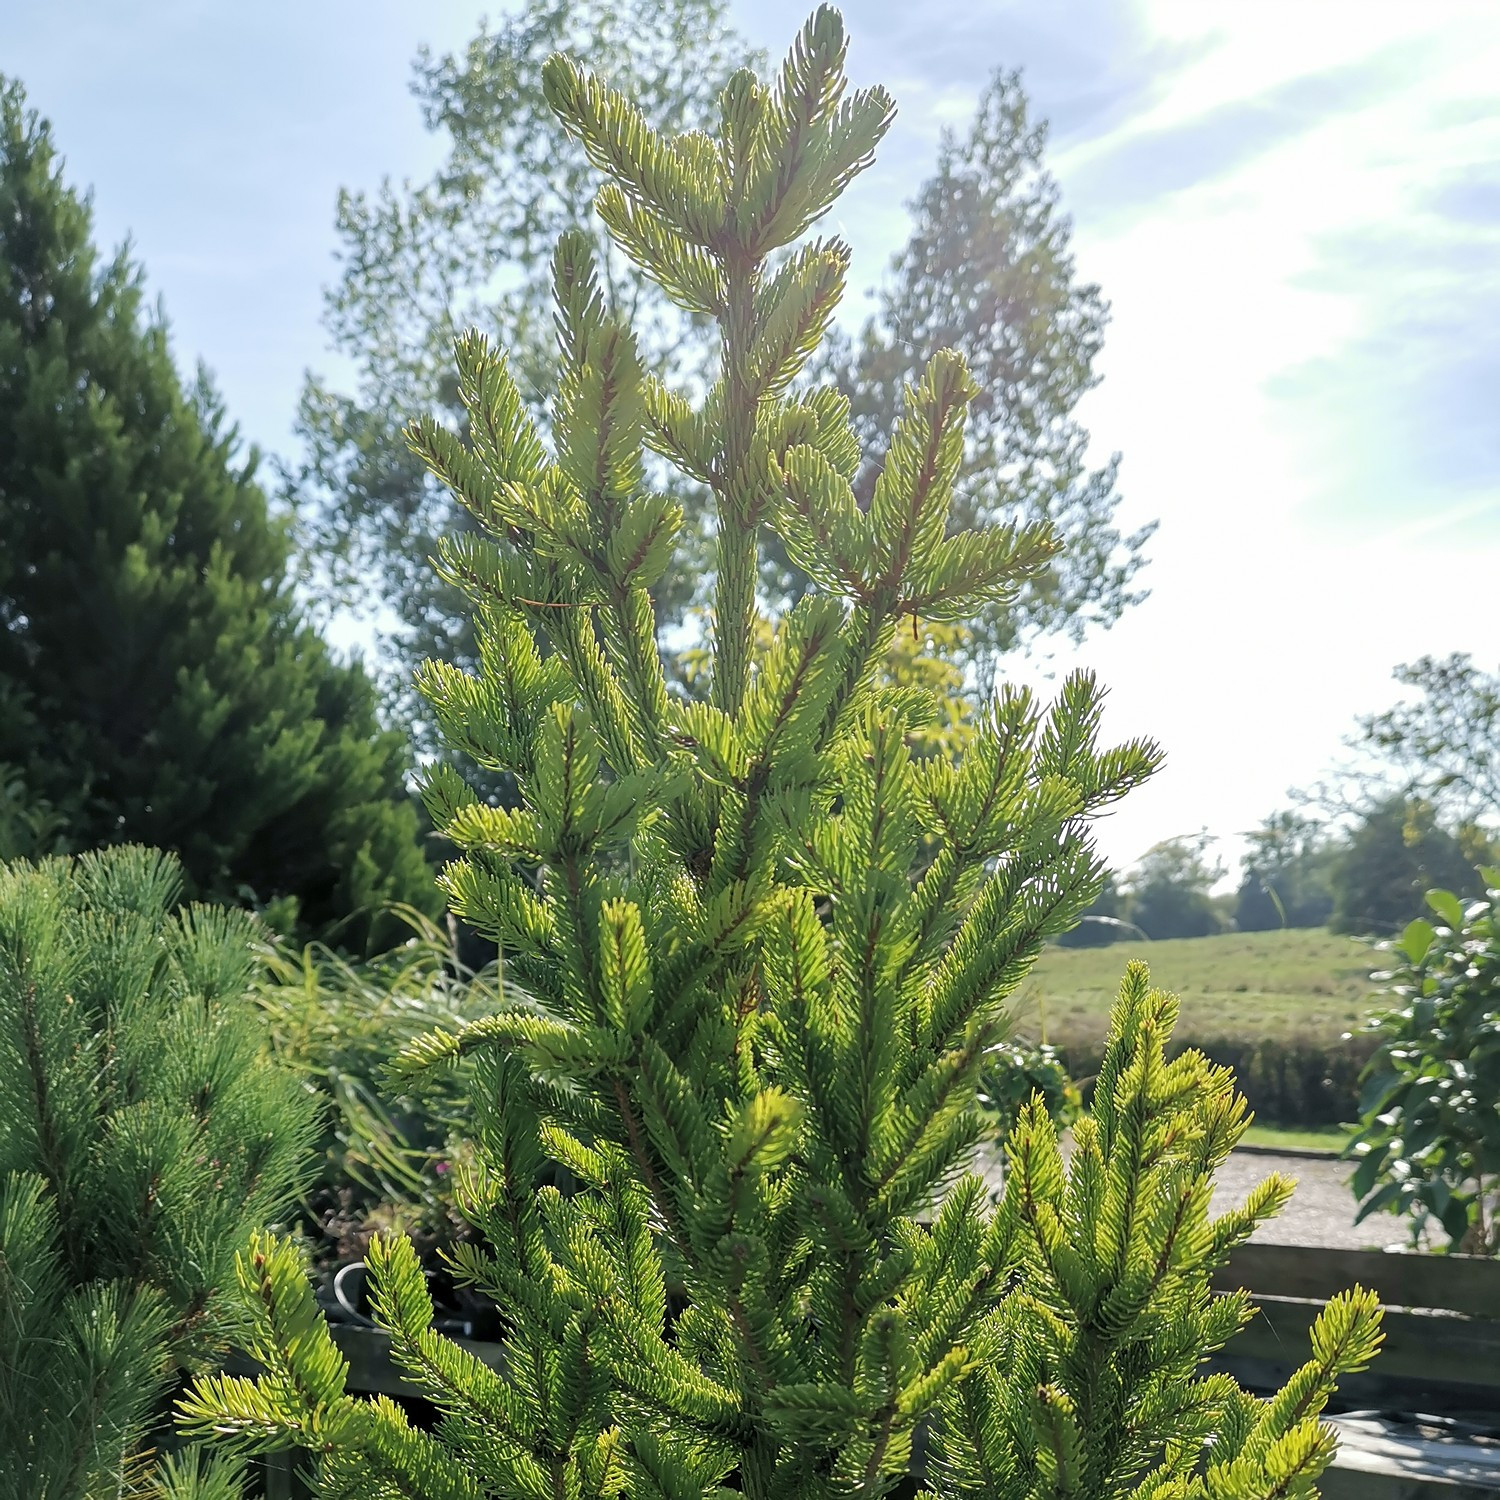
(142, 1138)
(766, 951)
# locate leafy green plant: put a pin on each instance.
(1429, 1139)
(143, 1135)
(766, 950)
(386, 1153)
(1013, 1071)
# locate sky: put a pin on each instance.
(1293, 209)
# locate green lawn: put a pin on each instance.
(1329, 1138)
(1241, 985)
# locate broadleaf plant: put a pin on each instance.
(1428, 1144)
(765, 951)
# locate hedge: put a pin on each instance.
(1299, 1080)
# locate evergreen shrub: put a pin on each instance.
(158, 682)
(143, 1135)
(766, 951)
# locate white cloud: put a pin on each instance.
(1292, 204)
(1251, 185)
(1273, 622)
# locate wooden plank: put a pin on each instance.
(1350, 1482)
(1418, 1346)
(1467, 1284)
(1410, 1462)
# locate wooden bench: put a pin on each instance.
(1440, 1361)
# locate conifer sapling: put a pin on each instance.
(143, 1135)
(765, 948)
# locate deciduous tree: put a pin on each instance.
(1444, 745)
(988, 271)
(1392, 858)
(1169, 892)
(1286, 874)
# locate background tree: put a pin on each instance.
(156, 681)
(1444, 746)
(1393, 856)
(988, 271)
(143, 1135)
(1286, 874)
(1102, 921)
(471, 248)
(1168, 893)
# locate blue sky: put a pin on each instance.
(1293, 208)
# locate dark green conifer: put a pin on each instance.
(157, 684)
(766, 950)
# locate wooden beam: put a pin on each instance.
(1417, 1346)
(1467, 1284)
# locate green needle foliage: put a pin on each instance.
(142, 1137)
(158, 682)
(765, 950)
(1084, 1379)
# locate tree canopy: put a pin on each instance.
(1286, 874)
(158, 684)
(1392, 858)
(988, 270)
(1168, 893)
(1443, 745)
(766, 950)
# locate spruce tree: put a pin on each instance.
(157, 684)
(987, 270)
(143, 1135)
(765, 950)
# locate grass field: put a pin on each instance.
(1305, 983)
(1329, 1138)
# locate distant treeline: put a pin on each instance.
(1367, 874)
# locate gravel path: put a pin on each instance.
(1322, 1208)
(1321, 1211)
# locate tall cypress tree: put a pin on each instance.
(157, 683)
